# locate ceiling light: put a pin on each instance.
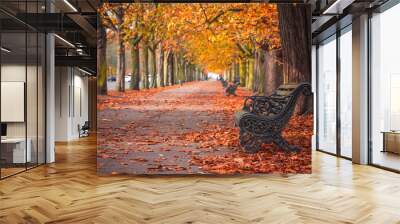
(337, 7)
(5, 50)
(84, 71)
(65, 41)
(70, 5)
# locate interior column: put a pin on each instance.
(360, 90)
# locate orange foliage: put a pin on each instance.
(212, 36)
(270, 159)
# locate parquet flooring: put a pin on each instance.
(69, 191)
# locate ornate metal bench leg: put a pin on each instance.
(249, 143)
(281, 142)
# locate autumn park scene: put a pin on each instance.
(204, 88)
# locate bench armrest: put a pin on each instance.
(261, 105)
(251, 100)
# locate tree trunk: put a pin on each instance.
(273, 72)
(171, 69)
(294, 25)
(135, 79)
(198, 75)
(178, 65)
(256, 74)
(233, 72)
(144, 66)
(185, 74)
(102, 59)
(250, 74)
(153, 66)
(261, 74)
(166, 77)
(237, 73)
(121, 63)
(181, 69)
(176, 69)
(160, 66)
(243, 73)
(225, 75)
(186, 70)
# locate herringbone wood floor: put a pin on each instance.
(69, 191)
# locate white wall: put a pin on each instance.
(33, 127)
(71, 102)
(16, 73)
(62, 81)
(80, 110)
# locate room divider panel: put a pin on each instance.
(22, 87)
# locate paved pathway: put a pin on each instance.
(147, 137)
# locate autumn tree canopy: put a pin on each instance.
(212, 36)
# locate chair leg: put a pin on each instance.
(281, 142)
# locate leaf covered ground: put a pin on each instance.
(188, 129)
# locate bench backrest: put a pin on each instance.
(284, 98)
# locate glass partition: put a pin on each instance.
(22, 88)
(346, 93)
(385, 89)
(327, 95)
(14, 151)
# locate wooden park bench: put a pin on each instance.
(263, 118)
(223, 82)
(231, 89)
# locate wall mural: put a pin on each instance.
(196, 88)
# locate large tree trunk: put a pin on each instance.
(237, 73)
(178, 65)
(176, 69)
(273, 72)
(144, 55)
(171, 72)
(181, 69)
(257, 69)
(261, 75)
(198, 74)
(243, 72)
(166, 77)
(160, 66)
(226, 74)
(101, 59)
(250, 79)
(121, 63)
(185, 73)
(294, 25)
(153, 66)
(232, 73)
(135, 79)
